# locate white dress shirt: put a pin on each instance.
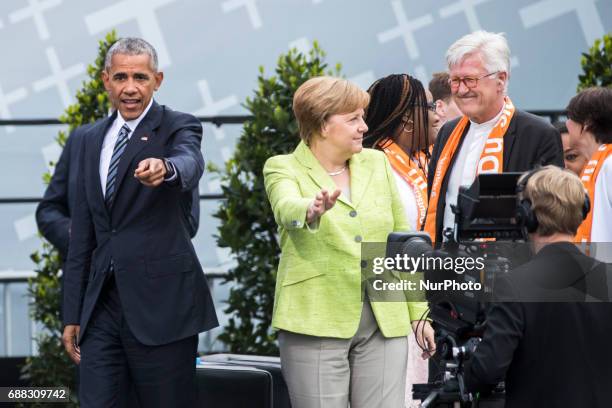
(110, 139)
(601, 230)
(464, 169)
(408, 198)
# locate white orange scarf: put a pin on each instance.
(410, 171)
(491, 159)
(589, 177)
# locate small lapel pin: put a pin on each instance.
(145, 138)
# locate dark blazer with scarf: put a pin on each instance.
(529, 142)
(164, 294)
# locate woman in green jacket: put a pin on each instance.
(328, 197)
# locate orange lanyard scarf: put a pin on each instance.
(589, 177)
(491, 159)
(410, 171)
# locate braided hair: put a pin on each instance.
(392, 99)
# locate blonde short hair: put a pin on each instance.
(320, 97)
(557, 198)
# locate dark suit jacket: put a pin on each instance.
(550, 354)
(54, 211)
(164, 294)
(530, 141)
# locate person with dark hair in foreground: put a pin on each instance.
(545, 340)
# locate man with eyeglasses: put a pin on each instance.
(492, 136)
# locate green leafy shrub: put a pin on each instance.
(247, 225)
(597, 64)
(52, 367)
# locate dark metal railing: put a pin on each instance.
(36, 200)
(215, 120)
(553, 115)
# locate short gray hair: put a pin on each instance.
(131, 46)
(492, 47)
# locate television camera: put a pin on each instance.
(485, 226)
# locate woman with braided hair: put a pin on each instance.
(403, 124)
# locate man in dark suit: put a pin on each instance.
(492, 136)
(551, 347)
(135, 296)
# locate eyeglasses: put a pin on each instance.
(429, 105)
(469, 82)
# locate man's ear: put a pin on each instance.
(440, 106)
(105, 79)
(502, 78)
(159, 77)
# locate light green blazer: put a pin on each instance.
(318, 285)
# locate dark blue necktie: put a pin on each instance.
(111, 178)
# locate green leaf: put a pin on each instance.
(596, 64)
